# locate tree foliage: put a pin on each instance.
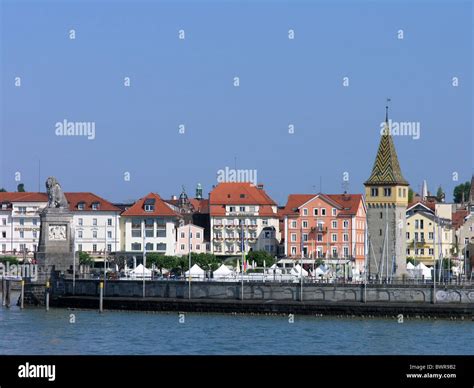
(85, 258)
(459, 190)
(20, 188)
(410, 195)
(259, 257)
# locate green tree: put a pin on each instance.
(20, 188)
(460, 190)
(8, 259)
(206, 261)
(259, 257)
(440, 194)
(161, 261)
(2, 190)
(411, 260)
(410, 195)
(85, 258)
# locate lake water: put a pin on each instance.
(35, 331)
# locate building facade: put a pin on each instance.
(325, 226)
(243, 217)
(190, 238)
(386, 193)
(150, 225)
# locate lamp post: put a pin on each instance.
(189, 261)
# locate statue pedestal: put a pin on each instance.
(56, 243)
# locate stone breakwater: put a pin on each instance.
(269, 298)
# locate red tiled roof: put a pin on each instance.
(161, 208)
(23, 197)
(348, 203)
(199, 205)
(458, 218)
(429, 204)
(88, 199)
(239, 193)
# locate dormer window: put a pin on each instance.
(95, 206)
(81, 206)
(149, 204)
(242, 195)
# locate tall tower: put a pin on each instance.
(386, 193)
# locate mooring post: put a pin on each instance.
(3, 291)
(22, 300)
(101, 297)
(47, 295)
(7, 294)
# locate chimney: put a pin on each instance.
(174, 197)
(260, 186)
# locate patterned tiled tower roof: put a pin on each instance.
(386, 169)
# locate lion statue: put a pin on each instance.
(56, 197)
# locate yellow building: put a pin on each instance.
(428, 235)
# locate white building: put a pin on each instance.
(238, 208)
(95, 222)
(150, 225)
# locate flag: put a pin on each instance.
(242, 247)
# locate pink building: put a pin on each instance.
(325, 226)
(190, 235)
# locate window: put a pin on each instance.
(346, 251)
(136, 233)
(22, 247)
(109, 247)
(198, 235)
(198, 247)
(293, 250)
(79, 247)
(161, 247)
(251, 209)
(334, 251)
(334, 237)
(80, 222)
(4, 234)
(315, 211)
(334, 212)
(35, 221)
(334, 224)
(422, 251)
(387, 191)
(94, 247)
(149, 208)
(182, 247)
(149, 232)
(35, 234)
(182, 234)
(293, 237)
(109, 234)
(4, 221)
(305, 224)
(94, 234)
(374, 192)
(416, 236)
(408, 235)
(95, 206)
(417, 223)
(161, 233)
(22, 221)
(430, 235)
(190, 247)
(293, 224)
(408, 251)
(242, 208)
(79, 234)
(253, 221)
(268, 235)
(422, 236)
(323, 211)
(345, 224)
(136, 247)
(264, 222)
(320, 237)
(381, 215)
(232, 209)
(22, 234)
(81, 206)
(94, 221)
(305, 212)
(380, 232)
(421, 224)
(345, 237)
(431, 251)
(109, 221)
(190, 234)
(149, 246)
(404, 192)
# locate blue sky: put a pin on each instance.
(190, 82)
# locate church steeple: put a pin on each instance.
(386, 169)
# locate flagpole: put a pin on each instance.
(144, 254)
(242, 248)
(189, 262)
(301, 263)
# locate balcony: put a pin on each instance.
(253, 226)
(218, 226)
(319, 229)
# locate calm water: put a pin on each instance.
(35, 331)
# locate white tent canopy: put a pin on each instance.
(222, 271)
(296, 270)
(410, 266)
(196, 270)
(140, 272)
(423, 270)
